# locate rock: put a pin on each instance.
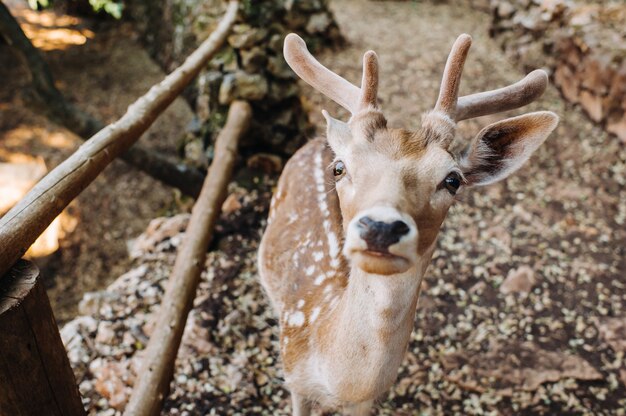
(277, 66)
(505, 9)
(246, 36)
(618, 127)
(231, 204)
(77, 337)
(253, 59)
(106, 333)
(242, 85)
(597, 75)
(112, 381)
(592, 105)
(91, 302)
(613, 332)
(194, 153)
(159, 230)
(281, 91)
(564, 78)
(318, 23)
(265, 162)
(520, 280)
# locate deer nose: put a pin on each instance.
(380, 235)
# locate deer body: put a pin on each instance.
(318, 303)
(354, 221)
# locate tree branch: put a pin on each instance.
(153, 382)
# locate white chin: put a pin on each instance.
(377, 263)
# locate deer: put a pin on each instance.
(354, 219)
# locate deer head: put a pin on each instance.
(395, 186)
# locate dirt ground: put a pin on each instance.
(102, 73)
(558, 222)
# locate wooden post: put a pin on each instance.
(157, 368)
(35, 374)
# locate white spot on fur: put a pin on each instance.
(318, 255)
(314, 314)
(300, 304)
(296, 319)
(333, 242)
(310, 270)
(319, 279)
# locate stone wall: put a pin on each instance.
(583, 43)
(250, 66)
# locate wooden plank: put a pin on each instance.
(153, 382)
(35, 374)
(21, 226)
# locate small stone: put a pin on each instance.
(231, 204)
(318, 23)
(194, 153)
(521, 280)
(505, 10)
(244, 36)
(242, 85)
(618, 127)
(92, 301)
(106, 333)
(277, 66)
(564, 78)
(592, 105)
(253, 59)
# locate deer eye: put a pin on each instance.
(452, 182)
(339, 169)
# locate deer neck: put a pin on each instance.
(367, 333)
(375, 308)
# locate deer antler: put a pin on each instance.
(336, 88)
(514, 96)
(489, 102)
(449, 90)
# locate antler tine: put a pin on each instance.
(369, 83)
(318, 76)
(516, 95)
(449, 91)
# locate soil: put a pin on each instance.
(102, 71)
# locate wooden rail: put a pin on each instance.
(21, 226)
(157, 368)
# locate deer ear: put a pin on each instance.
(501, 148)
(337, 132)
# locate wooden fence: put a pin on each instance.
(35, 375)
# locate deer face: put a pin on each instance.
(394, 190)
(396, 186)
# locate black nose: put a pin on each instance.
(380, 235)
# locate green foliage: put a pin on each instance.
(111, 7)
